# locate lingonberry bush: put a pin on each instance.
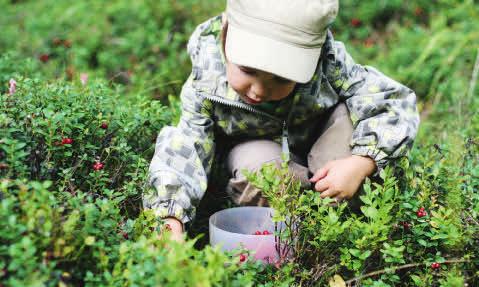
(73, 166)
(57, 132)
(389, 238)
(56, 238)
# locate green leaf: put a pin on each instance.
(89, 240)
(337, 281)
(355, 252)
(369, 211)
(407, 205)
(423, 242)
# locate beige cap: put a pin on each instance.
(283, 37)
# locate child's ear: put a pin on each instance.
(224, 30)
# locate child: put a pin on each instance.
(269, 79)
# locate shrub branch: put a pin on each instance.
(394, 269)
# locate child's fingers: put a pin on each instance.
(320, 173)
(321, 185)
(338, 198)
(329, 193)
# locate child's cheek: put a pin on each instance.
(237, 82)
(282, 91)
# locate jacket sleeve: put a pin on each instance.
(182, 160)
(183, 154)
(383, 112)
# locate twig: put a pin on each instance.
(394, 269)
(325, 269)
(472, 218)
(320, 270)
(472, 83)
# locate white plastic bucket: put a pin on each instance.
(235, 227)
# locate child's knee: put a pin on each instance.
(334, 141)
(251, 155)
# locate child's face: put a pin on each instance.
(256, 86)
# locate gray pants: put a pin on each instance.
(333, 143)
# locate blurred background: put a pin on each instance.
(428, 45)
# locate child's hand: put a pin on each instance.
(174, 227)
(341, 178)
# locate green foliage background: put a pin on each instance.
(63, 223)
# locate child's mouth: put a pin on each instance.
(251, 101)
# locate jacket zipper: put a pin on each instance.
(284, 134)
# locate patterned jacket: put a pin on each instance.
(383, 113)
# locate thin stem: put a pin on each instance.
(472, 85)
(472, 218)
(394, 269)
(475, 72)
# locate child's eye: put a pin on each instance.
(247, 70)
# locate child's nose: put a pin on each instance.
(254, 96)
(258, 92)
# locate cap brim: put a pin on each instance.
(286, 60)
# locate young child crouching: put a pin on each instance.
(269, 79)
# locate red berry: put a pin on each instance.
(369, 43)
(44, 58)
(418, 11)
(435, 265)
(125, 235)
(3, 272)
(98, 166)
(67, 43)
(70, 72)
(242, 258)
(406, 225)
(104, 125)
(57, 41)
(421, 212)
(266, 232)
(355, 22)
(257, 232)
(67, 141)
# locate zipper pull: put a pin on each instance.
(285, 144)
